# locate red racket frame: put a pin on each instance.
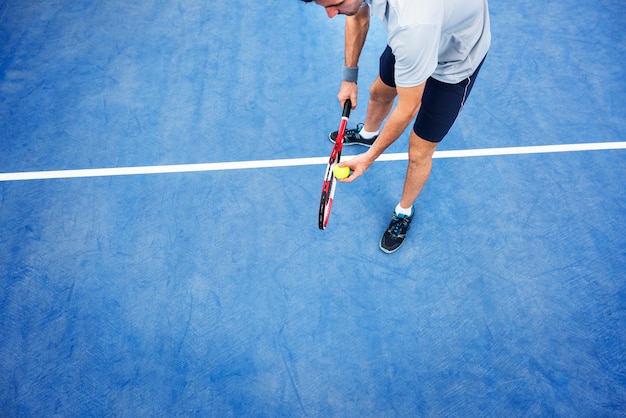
(330, 182)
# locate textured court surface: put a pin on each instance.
(213, 293)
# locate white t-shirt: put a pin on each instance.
(445, 39)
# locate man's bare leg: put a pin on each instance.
(418, 170)
(379, 105)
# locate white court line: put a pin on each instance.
(241, 165)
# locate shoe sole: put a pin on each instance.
(380, 245)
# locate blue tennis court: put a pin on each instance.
(160, 173)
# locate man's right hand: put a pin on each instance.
(348, 90)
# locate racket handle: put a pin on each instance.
(347, 106)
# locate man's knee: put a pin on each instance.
(421, 151)
(381, 92)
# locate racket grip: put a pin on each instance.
(347, 106)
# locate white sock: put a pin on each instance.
(368, 135)
(403, 211)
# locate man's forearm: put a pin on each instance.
(394, 127)
(356, 30)
(409, 101)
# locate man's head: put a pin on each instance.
(338, 7)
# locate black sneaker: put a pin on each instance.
(352, 137)
(396, 232)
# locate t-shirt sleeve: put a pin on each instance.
(416, 50)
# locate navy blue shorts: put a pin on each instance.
(441, 102)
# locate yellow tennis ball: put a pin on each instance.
(341, 172)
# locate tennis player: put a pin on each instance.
(435, 49)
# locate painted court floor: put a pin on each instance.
(160, 173)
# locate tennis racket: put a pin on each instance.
(328, 187)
